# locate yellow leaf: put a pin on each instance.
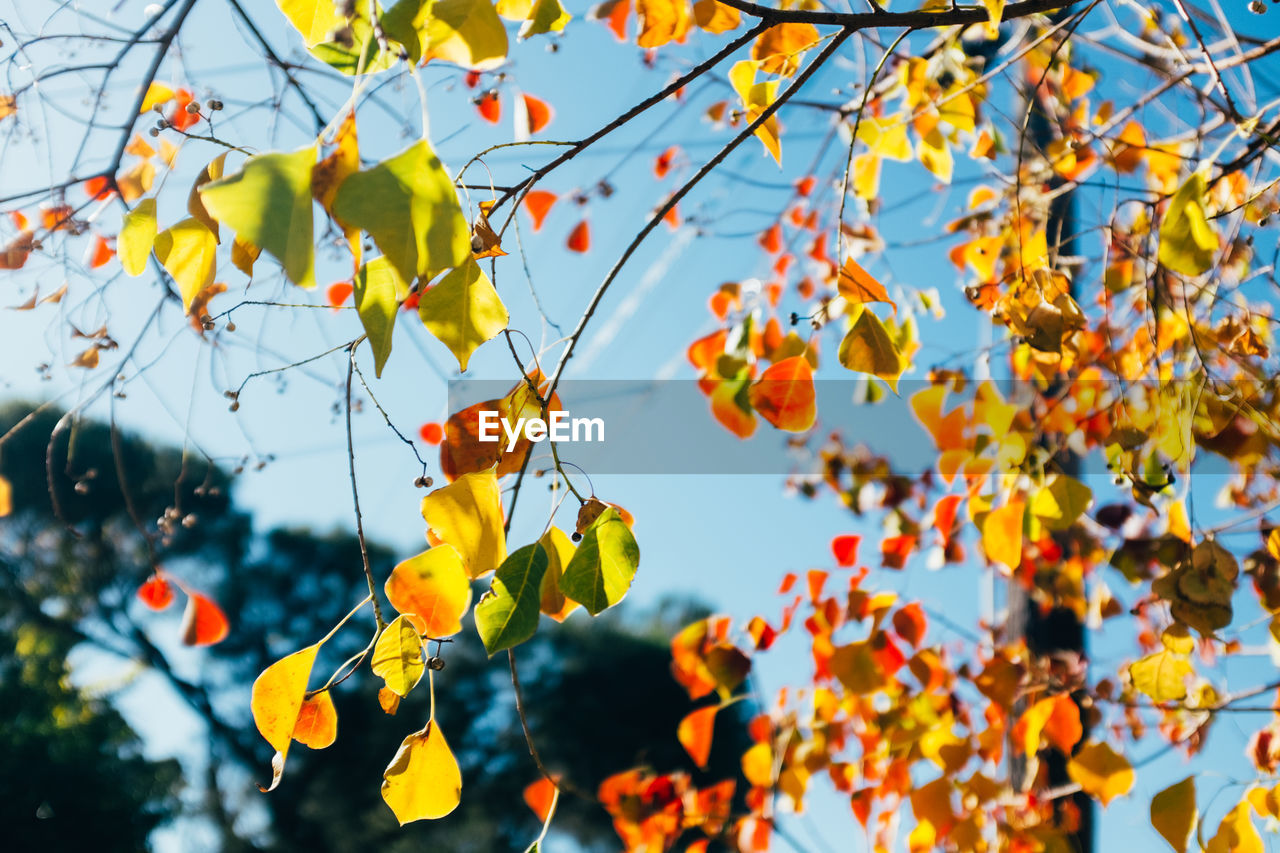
(276, 702)
(867, 348)
(1236, 833)
(136, 182)
(778, 48)
(6, 497)
(855, 666)
(560, 551)
(157, 93)
(935, 155)
(1173, 813)
(314, 19)
(886, 137)
(463, 311)
(538, 16)
(1002, 534)
(995, 12)
(378, 291)
(1101, 772)
(1187, 240)
(423, 781)
(756, 97)
(1161, 675)
(344, 162)
(467, 514)
(757, 765)
(243, 255)
(662, 21)
(467, 33)
(8, 106)
(195, 206)
(1273, 543)
(187, 251)
(397, 656)
(137, 236)
(432, 590)
(715, 17)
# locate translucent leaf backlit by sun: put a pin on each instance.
(423, 781)
(604, 565)
(378, 291)
(432, 590)
(1188, 242)
(268, 203)
(276, 701)
(397, 656)
(463, 311)
(867, 348)
(507, 614)
(137, 236)
(187, 251)
(784, 395)
(467, 514)
(1101, 772)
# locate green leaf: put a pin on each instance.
(604, 565)
(1060, 503)
(409, 207)
(137, 236)
(1173, 813)
(397, 656)
(317, 21)
(867, 348)
(463, 311)
(187, 251)
(507, 615)
(378, 291)
(268, 203)
(406, 22)
(1187, 240)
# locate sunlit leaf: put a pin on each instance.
(867, 348)
(156, 593)
(1188, 242)
(1002, 534)
(784, 395)
(858, 286)
(778, 48)
(467, 514)
(1173, 813)
(604, 565)
(157, 93)
(432, 590)
(268, 203)
(409, 207)
(203, 622)
(276, 701)
(662, 21)
(137, 236)
(195, 206)
(397, 656)
(463, 311)
(695, 732)
(1101, 772)
(1236, 833)
(716, 17)
(1161, 675)
(423, 781)
(317, 725)
(507, 614)
(378, 290)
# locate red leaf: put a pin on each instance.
(537, 203)
(432, 433)
(203, 622)
(579, 237)
(540, 113)
(97, 188)
(338, 293)
(102, 253)
(156, 593)
(538, 796)
(411, 301)
(771, 240)
(845, 549)
(472, 79)
(662, 165)
(178, 116)
(489, 106)
(894, 551)
(944, 516)
(910, 623)
(804, 186)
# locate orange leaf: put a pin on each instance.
(102, 253)
(489, 106)
(156, 593)
(859, 287)
(432, 433)
(178, 116)
(805, 186)
(56, 218)
(614, 13)
(14, 256)
(771, 240)
(203, 622)
(662, 165)
(784, 395)
(539, 112)
(579, 238)
(944, 516)
(694, 733)
(910, 623)
(537, 203)
(845, 549)
(1063, 727)
(388, 700)
(338, 293)
(317, 725)
(97, 188)
(432, 590)
(539, 795)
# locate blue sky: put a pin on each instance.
(724, 539)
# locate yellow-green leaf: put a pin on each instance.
(1101, 772)
(1187, 240)
(378, 291)
(409, 206)
(539, 16)
(268, 203)
(1161, 675)
(1060, 503)
(423, 781)
(187, 251)
(463, 311)
(467, 33)
(601, 570)
(507, 614)
(137, 236)
(867, 348)
(1173, 813)
(467, 514)
(397, 656)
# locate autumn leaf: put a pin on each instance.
(1188, 242)
(1173, 813)
(1101, 772)
(756, 98)
(423, 781)
(195, 206)
(137, 236)
(1002, 534)
(1236, 833)
(537, 204)
(560, 550)
(695, 732)
(1161, 675)
(601, 570)
(187, 252)
(778, 48)
(268, 203)
(397, 656)
(467, 514)
(858, 286)
(203, 622)
(784, 395)
(156, 593)
(432, 590)
(716, 17)
(378, 289)
(463, 311)
(317, 725)
(276, 702)
(540, 796)
(662, 21)
(157, 94)
(867, 348)
(536, 16)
